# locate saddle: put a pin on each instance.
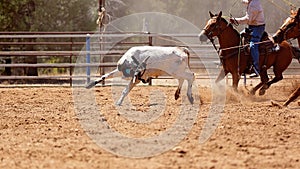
(266, 47)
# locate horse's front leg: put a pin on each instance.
(221, 75)
(235, 81)
(293, 97)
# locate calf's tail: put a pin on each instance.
(186, 50)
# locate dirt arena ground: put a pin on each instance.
(39, 129)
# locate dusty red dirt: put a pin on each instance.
(39, 129)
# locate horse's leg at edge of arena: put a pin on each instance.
(293, 97)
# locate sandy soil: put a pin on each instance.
(40, 128)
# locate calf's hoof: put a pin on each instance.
(191, 99)
(90, 85)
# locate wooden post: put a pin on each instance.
(71, 60)
(101, 31)
(88, 58)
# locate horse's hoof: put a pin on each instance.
(276, 104)
(262, 92)
(252, 92)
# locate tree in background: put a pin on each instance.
(196, 11)
(17, 15)
(64, 15)
(40, 15)
(81, 15)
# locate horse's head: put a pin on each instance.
(214, 27)
(290, 28)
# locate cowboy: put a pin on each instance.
(255, 20)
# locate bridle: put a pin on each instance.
(209, 33)
(216, 27)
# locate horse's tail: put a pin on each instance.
(296, 53)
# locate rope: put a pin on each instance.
(239, 55)
(232, 6)
(170, 40)
(289, 3)
(279, 7)
(234, 47)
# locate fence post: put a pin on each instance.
(88, 57)
(150, 44)
(71, 60)
(150, 39)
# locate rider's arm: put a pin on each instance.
(246, 1)
(243, 20)
(254, 15)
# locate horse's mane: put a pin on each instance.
(231, 26)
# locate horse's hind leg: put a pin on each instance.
(292, 97)
(264, 79)
(253, 90)
(266, 86)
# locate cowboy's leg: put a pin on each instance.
(257, 33)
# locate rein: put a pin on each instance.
(219, 50)
(212, 40)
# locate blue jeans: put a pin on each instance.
(257, 32)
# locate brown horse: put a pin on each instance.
(290, 29)
(235, 60)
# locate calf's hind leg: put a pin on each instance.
(177, 93)
(189, 76)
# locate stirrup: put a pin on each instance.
(276, 48)
(253, 75)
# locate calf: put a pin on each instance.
(144, 62)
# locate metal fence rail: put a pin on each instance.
(11, 43)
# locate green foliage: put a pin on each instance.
(80, 15)
(54, 15)
(64, 15)
(196, 11)
(15, 15)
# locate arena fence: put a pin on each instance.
(60, 50)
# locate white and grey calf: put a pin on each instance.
(144, 62)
